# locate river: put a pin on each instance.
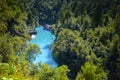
(43, 39)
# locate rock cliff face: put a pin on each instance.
(47, 26)
(33, 33)
(16, 33)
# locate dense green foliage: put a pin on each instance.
(91, 72)
(16, 56)
(87, 39)
(88, 30)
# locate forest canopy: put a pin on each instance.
(87, 45)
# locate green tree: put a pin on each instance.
(89, 71)
(32, 51)
(47, 73)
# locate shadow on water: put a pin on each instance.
(47, 46)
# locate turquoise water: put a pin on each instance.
(44, 39)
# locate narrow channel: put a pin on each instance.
(43, 39)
